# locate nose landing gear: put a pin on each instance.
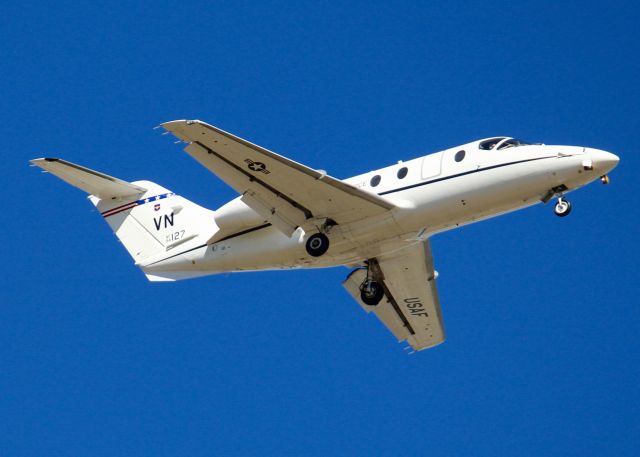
(562, 208)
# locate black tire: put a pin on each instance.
(317, 244)
(372, 293)
(562, 208)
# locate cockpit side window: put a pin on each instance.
(491, 143)
(509, 143)
(501, 143)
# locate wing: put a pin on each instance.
(286, 193)
(410, 308)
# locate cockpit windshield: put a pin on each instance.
(501, 142)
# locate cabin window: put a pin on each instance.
(402, 172)
(459, 157)
(375, 180)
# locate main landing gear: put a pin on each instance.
(562, 208)
(372, 290)
(317, 244)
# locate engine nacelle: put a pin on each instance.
(236, 216)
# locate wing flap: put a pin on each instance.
(279, 213)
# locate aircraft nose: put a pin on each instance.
(603, 161)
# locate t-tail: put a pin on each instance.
(148, 219)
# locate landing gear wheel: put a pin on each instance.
(317, 244)
(562, 208)
(371, 292)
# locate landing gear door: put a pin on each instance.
(431, 165)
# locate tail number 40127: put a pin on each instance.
(174, 236)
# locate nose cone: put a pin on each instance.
(603, 161)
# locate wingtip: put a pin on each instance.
(179, 128)
(178, 122)
(37, 162)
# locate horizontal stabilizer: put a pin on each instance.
(91, 181)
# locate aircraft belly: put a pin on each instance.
(438, 206)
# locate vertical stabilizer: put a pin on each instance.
(156, 222)
(148, 219)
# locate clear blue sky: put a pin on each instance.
(542, 314)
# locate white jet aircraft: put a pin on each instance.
(291, 216)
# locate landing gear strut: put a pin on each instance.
(371, 291)
(562, 208)
(317, 244)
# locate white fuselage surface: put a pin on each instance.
(438, 193)
(289, 215)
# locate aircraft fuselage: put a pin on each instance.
(289, 215)
(434, 193)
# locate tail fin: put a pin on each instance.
(148, 219)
